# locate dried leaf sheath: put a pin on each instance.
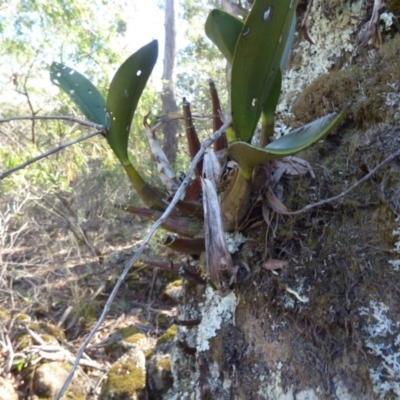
(218, 259)
(166, 172)
(183, 245)
(181, 225)
(192, 138)
(221, 143)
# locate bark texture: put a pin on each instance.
(168, 96)
(326, 326)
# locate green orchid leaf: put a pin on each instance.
(289, 43)
(124, 94)
(258, 56)
(248, 156)
(223, 29)
(82, 92)
(268, 112)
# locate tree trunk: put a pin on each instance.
(327, 325)
(168, 97)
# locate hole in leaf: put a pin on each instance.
(280, 38)
(113, 118)
(254, 102)
(72, 91)
(71, 72)
(126, 93)
(56, 81)
(58, 74)
(291, 4)
(268, 13)
(89, 91)
(139, 73)
(246, 31)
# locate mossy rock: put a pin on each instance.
(23, 340)
(172, 290)
(158, 365)
(368, 91)
(50, 377)
(122, 339)
(160, 378)
(53, 330)
(168, 336)
(4, 314)
(7, 391)
(127, 378)
(23, 318)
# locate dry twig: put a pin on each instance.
(48, 153)
(347, 191)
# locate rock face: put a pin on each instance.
(158, 366)
(326, 326)
(7, 391)
(49, 378)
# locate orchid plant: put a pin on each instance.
(257, 49)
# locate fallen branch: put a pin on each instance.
(131, 261)
(48, 153)
(347, 191)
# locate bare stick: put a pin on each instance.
(347, 191)
(180, 192)
(55, 117)
(48, 153)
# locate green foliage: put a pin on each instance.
(124, 94)
(248, 156)
(224, 30)
(84, 94)
(257, 59)
(257, 65)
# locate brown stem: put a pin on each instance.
(192, 138)
(188, 246)
(222, 142)
(181, 225)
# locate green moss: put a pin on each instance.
(124, 336)
(164, 364)
(363, 85)
(124, 380)
(23, 318)
(4, 315)
(169, 335)
(23, 341)
(394, 7)
(136, 338)
(49, 338)
(54, 331)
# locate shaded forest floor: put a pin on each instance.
(61, 255)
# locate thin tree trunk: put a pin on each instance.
(168, 96)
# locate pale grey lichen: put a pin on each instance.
(332, 41)
(215, 311)
(233, 241)
(383, 341)
(388, 19)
